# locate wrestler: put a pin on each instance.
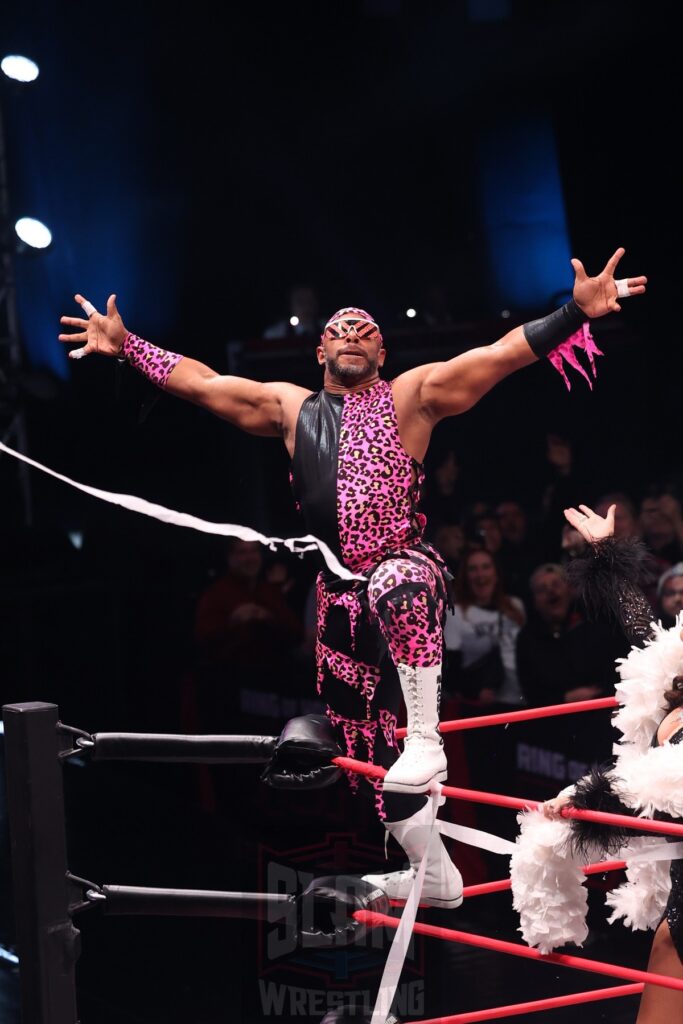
(644, 777)
(357, 448)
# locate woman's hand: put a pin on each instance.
(553, 808)
(590, 525)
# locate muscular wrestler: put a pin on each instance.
(357, 448)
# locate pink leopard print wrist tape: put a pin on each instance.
(152, 362)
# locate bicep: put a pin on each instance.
(454, 386)
(248, 404)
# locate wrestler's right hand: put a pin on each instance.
(553, 808)
(99, 333)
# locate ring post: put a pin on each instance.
(48, 945)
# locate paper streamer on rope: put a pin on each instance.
(297, 545)
(475, 837)
(662, 851)
(399, 947)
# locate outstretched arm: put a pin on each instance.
(248, 404)
(452, 387)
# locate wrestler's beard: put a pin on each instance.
(351, 373)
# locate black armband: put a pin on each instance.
(550, 331)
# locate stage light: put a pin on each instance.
(33, 232)
(410, 313)
(21, 69)
(294, 321)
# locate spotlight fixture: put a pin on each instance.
(20, 69)
(33, 232)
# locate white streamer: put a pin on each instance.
(297, 545)
(399, 947)
(663, 851)
(475, 837)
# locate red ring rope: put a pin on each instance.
(539, 1004)
(475, 797)
(457, 724)
(484, 888)
(373, 919)
(622, 820)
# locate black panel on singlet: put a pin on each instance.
(314, 466)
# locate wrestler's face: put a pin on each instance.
(351, 350)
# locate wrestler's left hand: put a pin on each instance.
(597, 296)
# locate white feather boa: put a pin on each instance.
(547, 881)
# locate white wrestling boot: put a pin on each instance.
(423, 760)
(442, 882)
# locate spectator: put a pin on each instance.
(449, 540)
(670, 594)
(488, 534)
(659, 518)
(303, 319)
(443, 500)
(562, 657)
(518, 552)
(284, 570)
(481, 632)
(243, 624)
(625, 517)
(564, 485)
(573, 544)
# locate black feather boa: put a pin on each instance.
(593, 575)
(594, 793)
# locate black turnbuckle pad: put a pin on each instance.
(326, 908)
(302, 758)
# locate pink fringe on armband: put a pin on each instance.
(152, 362)
(583, 341)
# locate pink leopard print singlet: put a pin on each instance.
(356, 485)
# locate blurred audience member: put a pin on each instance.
(486, 532)
(449, 541)
(519, 551)
(244, 628)
(443, 500)
(660, 520)
(625, 516)
(284, 570)
(563, 489)
(481, 632)
(303, 319)
(562, 657)
(670, 594)
(573, 544)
